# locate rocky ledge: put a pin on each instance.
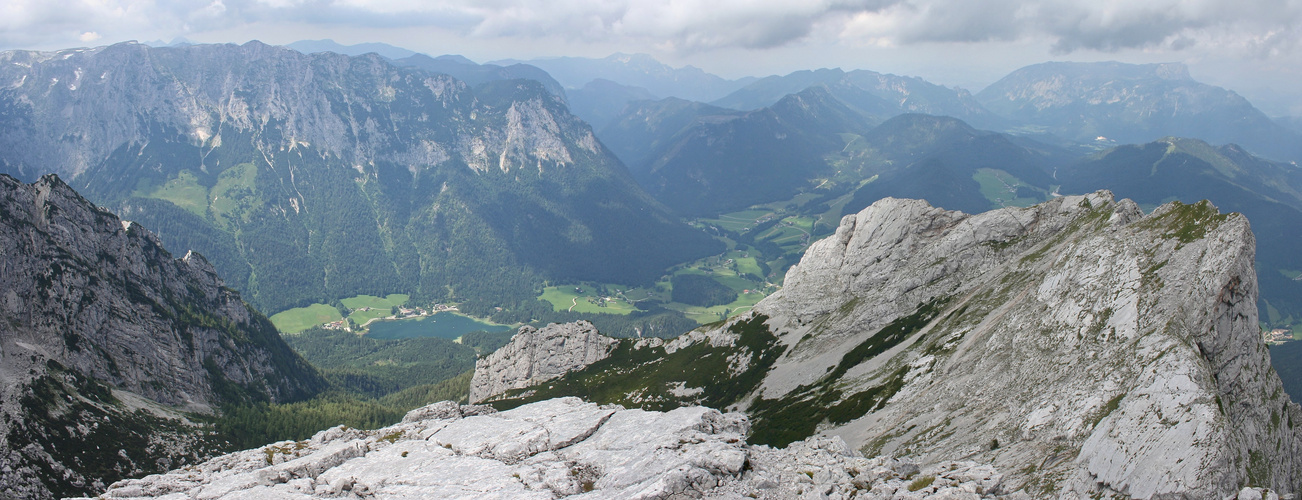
(559, 448)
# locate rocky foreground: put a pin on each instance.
(560, 448)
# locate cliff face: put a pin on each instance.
(105, 336)
(537, 355)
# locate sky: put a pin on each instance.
(1251, 46)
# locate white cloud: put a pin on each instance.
(89, 36)
(1106, 26)
(1264, 27)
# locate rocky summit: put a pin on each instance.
(559, 448)
(105, 339)
(1079, 346)
(536, 355)
(1090, 347)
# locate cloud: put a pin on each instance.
(89, 36)
(1103, 25)
(1259, 27)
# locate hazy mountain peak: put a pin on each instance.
(899, 94)
(1129, 103)
(921, 121)
(328, 45)
(636, 70)
(1097, 71)
(457, 58)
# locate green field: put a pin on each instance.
(739, 221)
(748, 292)
(380, 306)
(184, 191)
(748, 265)
(1000, 188)
(791, 232)
(727, 269)
(791, 204)
(748, 272)
(301, 318)
(711, 314)
(565, 298)
(233, 196)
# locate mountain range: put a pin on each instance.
(901, 94)
(306, 178)
(636, 70)
(1127, 103)
(826, 157)
(1014, 319)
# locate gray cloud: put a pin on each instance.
(1107, 26)
(1260, 27)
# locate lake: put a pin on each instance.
(446, 325)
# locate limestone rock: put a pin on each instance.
(559, 448)
(1118, 353)
(537, 355)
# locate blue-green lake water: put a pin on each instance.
(444, 325)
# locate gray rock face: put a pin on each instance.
(174, 88)
(98, 321)
(537, 355)
(1117, 353)
(559, 448)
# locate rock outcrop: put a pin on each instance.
(1079, 346)
(105, 338)
(559, 448)
(1118, 353)
(537, 355)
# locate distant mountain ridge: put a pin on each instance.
(1130, 103)
(328, 45)
(678, 149)
(721, 162)
(637, 70)
(900, 94)
(455, 66)
(601, 101)
(311, 177)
